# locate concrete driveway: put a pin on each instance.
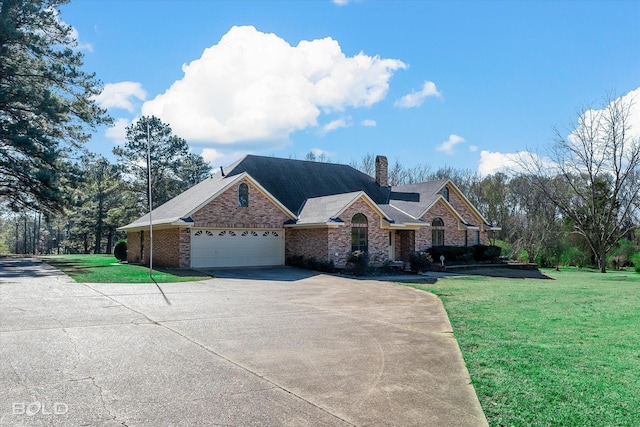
(285, 348)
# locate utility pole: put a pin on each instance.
(150, 202)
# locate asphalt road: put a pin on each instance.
(270, 347)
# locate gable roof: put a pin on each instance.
(178, 210)
(327, 209)
(427, 195)
(292, 182)
(309, 192)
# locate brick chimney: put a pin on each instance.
(382, 171)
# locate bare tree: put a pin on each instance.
(593, 175)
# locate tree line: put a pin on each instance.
(578, 204)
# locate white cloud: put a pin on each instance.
(448, 145)
(342, 122)
(369, 122)
(118, 95)
(633, 99)
(340, 2)
(80, 45)
(322, 154)
(254, 86)
(118, 132)
(510, 163)
(415, 99)
(217, 158)
(473, 148)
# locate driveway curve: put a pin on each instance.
(287, 348)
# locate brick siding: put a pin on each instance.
(334, 244)
(166, 243)
(224, 212)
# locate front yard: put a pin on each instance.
(560, 352)
(107, 269)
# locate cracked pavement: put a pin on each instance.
(265, 347)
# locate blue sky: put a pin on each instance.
(443, 83)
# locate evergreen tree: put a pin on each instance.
(173, 168)
(46, 104)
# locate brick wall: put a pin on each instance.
(166, 244)
(452, 236)
(184, 245)
(463, 209)
(224, 212)
(133, 247)
(334, 244)
(309, 242)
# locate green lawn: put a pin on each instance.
(561, 352)
(106, 269)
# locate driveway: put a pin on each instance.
(287, 348)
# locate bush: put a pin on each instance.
(636, 262)
(311, 264)
(486, 253)
(465, 254)
(358, 262)
(120, 250)
(420, 261)
(451, 253)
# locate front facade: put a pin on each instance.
(262, 210)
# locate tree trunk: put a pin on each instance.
(602, 260)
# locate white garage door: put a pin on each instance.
(236, 247)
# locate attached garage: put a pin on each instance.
(236, 247)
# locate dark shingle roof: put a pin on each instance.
(427, 191)
(294, 181)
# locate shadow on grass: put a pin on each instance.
(180, 272)
(508, 273)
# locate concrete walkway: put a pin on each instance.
(294, 349)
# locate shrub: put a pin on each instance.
(636, 262)
(295, 261)
(358, 262)
(451, 253)
(486, 253)
(310, 264)
(420, 261)
(120, 250)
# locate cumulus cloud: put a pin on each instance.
(119, 95)
(118, 132)
(369, 123)
(342, 122)
(590, 117)
(415, 99)
(448, 145)
(256, 87)
(510, 163)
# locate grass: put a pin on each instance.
(106, 269)
(561, 352)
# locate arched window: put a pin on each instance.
(359, 233)
(243, 195)
(437, 232)
(445, 193)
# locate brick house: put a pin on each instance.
(261, 210)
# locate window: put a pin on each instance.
(359, 233)
(445, 193)
(243, 195)
(476, 237)
(437, 232)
